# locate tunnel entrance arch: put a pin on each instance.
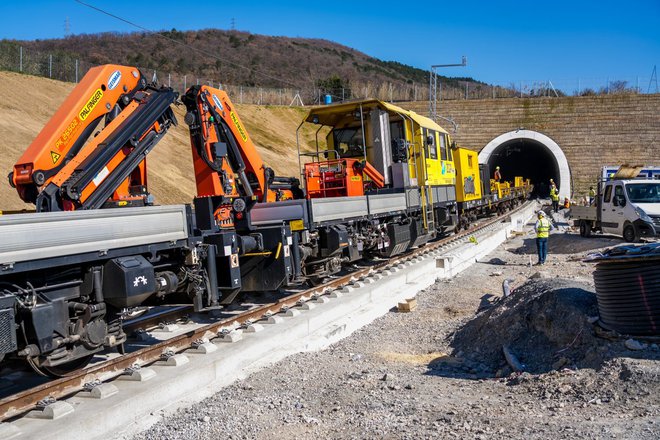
(532, 155)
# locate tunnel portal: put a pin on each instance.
(531, 155)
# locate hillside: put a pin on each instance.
(232, 57)
(27, 103)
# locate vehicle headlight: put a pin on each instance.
(643, 215)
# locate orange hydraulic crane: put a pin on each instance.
(65, 168)
(222, 148)
(227, 165)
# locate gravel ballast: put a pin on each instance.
(440, 371)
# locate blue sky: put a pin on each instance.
(505, 41)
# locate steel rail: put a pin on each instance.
(18, 404)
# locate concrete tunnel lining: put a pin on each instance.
(490, 151)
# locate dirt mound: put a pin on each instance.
(544, 323)
(620, 379)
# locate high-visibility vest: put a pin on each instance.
(542, 228)
(554, 194)
(592, 193)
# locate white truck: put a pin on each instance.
(625, 205)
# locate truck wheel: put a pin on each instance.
(585, 228)
(630, 235)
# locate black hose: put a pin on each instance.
(628, 295)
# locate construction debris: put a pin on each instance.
(407, 306)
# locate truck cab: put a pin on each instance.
(631, 208)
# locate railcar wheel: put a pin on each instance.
(62, 370)
(315, 281)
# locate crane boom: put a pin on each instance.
(65, 168)
(102, 92)
(223, 149)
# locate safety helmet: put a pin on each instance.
(541, 214)
(497, 168)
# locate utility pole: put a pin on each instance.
(433, 86)
(654, 79)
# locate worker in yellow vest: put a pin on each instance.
(543, 227)
(554, 196)
(592, 195)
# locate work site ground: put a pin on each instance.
(440, 370)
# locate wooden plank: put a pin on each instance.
(408, 306)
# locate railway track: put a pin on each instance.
(20, 403)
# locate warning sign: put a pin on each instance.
(55, 156)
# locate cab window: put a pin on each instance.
(608, 194)
(431, 144)
(619, 198)
(348, 141)
(396, 130)
(443, 147)
(450, 154)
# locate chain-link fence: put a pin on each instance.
(67, 67)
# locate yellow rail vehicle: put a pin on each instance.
(405, 160)
(477, 194)
(386, 135)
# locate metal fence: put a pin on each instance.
(67, 67)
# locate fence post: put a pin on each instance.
(466, 90)
(280, 96)
(521, 89)
(184, 83)
(637, 87)
(76, 71)
(50, 66)
(608, 85)
(241, 99)
(20, 59)
(342, 94)
(578, 90)
(169, 80)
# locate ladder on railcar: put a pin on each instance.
(426, 197)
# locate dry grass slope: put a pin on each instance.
(27, 103)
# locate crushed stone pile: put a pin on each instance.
(546, 325)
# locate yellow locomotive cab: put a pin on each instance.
(468, 178)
